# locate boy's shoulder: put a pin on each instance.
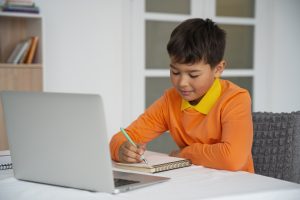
(230, 89)
(234, 97)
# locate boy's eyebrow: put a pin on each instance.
(172, 66)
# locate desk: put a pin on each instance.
(186, 183)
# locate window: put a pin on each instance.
(156, 21)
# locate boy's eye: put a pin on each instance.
(193, 76)
(175, 73)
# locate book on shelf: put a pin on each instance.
(24, 48)
(32, 50)
(24, 54)
(20, 2)
(5, 160)
(157, 162)
(19, 51)
(14, 53)
(24, 51)
(20, 6)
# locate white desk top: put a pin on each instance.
(187, 183)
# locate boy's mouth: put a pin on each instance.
(185, 93)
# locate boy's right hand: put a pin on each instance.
(131, 154)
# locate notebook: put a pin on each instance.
(5, 160)
(157, 162)
(60, 139)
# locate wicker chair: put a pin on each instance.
(276, 145)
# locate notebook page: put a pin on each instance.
(154, 158)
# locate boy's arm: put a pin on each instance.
(145, 128)
(234, 150)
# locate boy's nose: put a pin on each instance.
(183, 81)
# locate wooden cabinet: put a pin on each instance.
(15, 27)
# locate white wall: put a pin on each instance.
(285, 70)
(83, 48)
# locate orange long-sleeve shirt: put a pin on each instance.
(220, 139)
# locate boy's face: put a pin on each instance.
(192, 81)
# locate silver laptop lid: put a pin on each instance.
(53, 136)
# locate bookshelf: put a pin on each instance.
(16, 27)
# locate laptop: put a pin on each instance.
(61, 139)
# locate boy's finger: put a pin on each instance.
(130, 147)
(142, 146)
(129, 156)
(141, 149)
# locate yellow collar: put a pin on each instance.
(207, 101)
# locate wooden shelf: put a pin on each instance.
(7, 65)
(18, 14)
(17, 27)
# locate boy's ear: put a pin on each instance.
(219, 69)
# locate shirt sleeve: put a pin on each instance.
(145, 128)
(234, 149)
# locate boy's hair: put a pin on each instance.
(196, 40)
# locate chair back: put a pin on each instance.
(276, 145)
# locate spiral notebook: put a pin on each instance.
(5, 160)
(157, 162)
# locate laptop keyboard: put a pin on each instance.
(121, 182)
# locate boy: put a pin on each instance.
(209, 118)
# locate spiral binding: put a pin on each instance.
(172, 165)
(6, 166)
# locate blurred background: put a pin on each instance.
(117, 48)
